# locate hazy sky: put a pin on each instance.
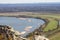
(28, 1)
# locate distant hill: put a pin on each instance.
(39, 7)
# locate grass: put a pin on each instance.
(51, 25)
(55, 37)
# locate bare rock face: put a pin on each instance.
(8, 33)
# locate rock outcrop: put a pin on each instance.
(8, 33)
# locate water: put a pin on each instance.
(20, 24)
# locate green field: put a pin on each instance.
(51, 25)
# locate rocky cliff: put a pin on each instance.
(8, 33)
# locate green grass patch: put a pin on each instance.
(51, 25)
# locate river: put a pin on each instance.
(22, 24)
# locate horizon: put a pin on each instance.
(32, 3)
(27, 1)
